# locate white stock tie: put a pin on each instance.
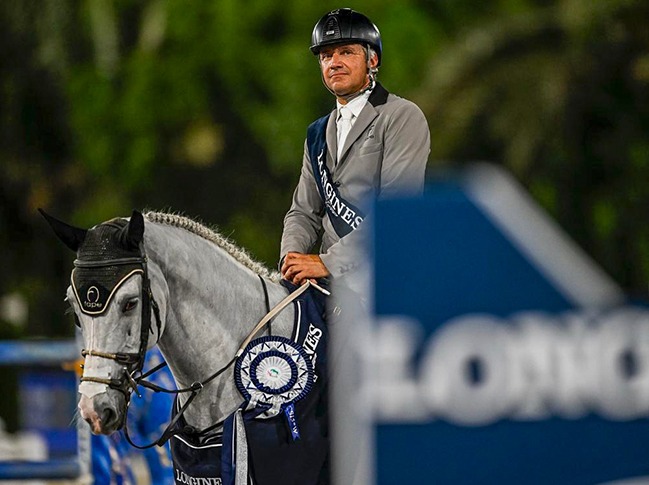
(344, 125)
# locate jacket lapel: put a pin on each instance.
(378, 97)
(332, 141)
(368, 113)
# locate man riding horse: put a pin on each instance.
(373, 144)
(248, 407)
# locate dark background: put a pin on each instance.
(201, 108)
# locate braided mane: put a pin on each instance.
(240, 254)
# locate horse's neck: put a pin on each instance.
(213, 303)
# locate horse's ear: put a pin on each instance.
(71, 236)
(135, 230)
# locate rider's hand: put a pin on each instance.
(298, 267)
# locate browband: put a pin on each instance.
(79, 263)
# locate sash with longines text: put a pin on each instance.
(344, 216)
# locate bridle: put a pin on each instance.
(133, 363)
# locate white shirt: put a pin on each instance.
(356, 105)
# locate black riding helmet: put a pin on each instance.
(345, 26)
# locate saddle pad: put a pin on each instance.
(196, 464)
(274, 455)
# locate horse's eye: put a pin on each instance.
(129, 305)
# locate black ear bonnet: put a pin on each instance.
(106, 259)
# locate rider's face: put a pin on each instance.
(344, 68)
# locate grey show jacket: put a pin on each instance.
(384, 154)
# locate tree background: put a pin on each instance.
(201, 108)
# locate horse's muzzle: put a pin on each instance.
(105, 412)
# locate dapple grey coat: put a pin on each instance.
(384, 154)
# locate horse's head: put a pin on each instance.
(113, 303)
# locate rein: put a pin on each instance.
(197, 387)
(134, 362)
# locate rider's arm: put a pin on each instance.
(303, 221)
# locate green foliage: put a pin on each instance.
(202, 107)
(558, 93)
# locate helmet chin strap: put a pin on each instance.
(369, 87)
(371, 74)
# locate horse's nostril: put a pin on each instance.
(108, 417)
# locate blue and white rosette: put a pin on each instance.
(274, 373)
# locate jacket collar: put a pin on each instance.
(378, 97)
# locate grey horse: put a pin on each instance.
(202, 296)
